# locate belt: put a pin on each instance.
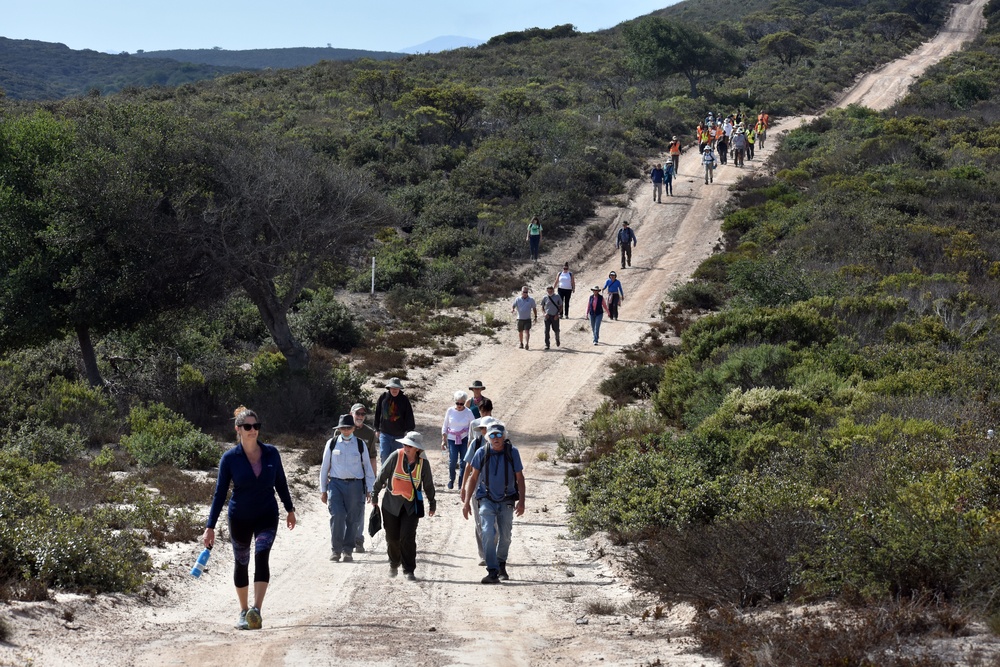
(348, 479)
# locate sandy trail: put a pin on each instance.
(320, 613)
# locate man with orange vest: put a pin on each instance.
(675, 154)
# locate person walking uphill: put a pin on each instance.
(625, 241)
(565, 285)
(534, 237)
(656, 176)
(498, 480)
(254, 469)
(551, 310)
(393, 417)
(367, 435)
(524, 306)
(455, 436)
(596, 307)
(345, 479)
(406, 476)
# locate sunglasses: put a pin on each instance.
(496, 435)
(250, 427)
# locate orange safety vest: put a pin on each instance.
(764, 118)
(675, 147)
(400, 484)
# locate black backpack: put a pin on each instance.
(362, 447)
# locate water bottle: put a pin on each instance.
(202, 562)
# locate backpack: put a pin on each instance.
(508, 466)
(362, 446)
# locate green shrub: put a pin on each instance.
(630, 383)
(697, 295)
(76, 403)
(323, 320)
(40, 443)
(158, 435)
(600, 434)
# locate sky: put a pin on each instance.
(114, 26)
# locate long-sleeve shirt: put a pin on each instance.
(253, 495)
(596, 304)
(395, 505)
(456, 423)
(342, 460)
(625, 236)
(394, 415)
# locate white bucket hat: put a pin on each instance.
(413, 439)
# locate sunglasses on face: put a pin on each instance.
(250, 427)
(496, 435)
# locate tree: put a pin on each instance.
(457, 103)
(893, 26)
(787, 47)
(657, 47)
(272, 215)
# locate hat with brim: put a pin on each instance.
(478, 384)
(346, 421)
(413, 439)
(486, 422)
(595, 288)
(394, 383)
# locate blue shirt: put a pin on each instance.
(344, 461)
(253, 496)
(499, 472)
(614, 286)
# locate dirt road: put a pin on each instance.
(321, 613)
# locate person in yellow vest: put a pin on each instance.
(675, 157)
(406, 477)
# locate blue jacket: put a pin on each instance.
(656, 175)
(252, 496)
(625, 236)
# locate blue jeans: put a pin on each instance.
(346, 502)
(595, 324)
(497, 520)
(534, 241)
(386, 445)
(456, 452)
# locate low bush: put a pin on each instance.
(607, 426)
(40, 443)
(158, 435)
(631, 383)
(323, 320)
(697, 296)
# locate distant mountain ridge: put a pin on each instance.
(443, 43)
(263, 58)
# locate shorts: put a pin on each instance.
(524, 325)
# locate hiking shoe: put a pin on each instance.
(491, 578)
(410, 576)
(557, 341)
(393, 570)
(359, 546)
(482, 563)
(348, 558)
(253, 619)
(242, 623)
(503, 572)
(451, 484)
(335, 556)
(546, 347)
(526, 346)
(521, 345)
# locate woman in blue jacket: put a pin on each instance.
(255, 472)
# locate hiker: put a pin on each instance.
(393, 417)
(708, 159)
(345, 479)
(723, 147)
(668, 179)
(675, 154)
(406, 476)
(478, 441)
(625, 241)
(751, 139)
(498, 480)
(565, 284)
(524, 306)
(477, 397)
(255, 472)
(764, 119)
(455, 436)
(656, 175)
(616, 294)
(366, 434)
(701, 132)
(534, 237)
(596, 307)
(761, 130)
(551, 310)
(739, 147)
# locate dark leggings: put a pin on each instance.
(565, 294)
(258, 533)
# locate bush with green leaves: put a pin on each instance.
(159, 435)
(40, 443)
(321, 319)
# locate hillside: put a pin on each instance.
(264, 58)
(33, 70)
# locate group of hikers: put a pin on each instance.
(486, 465)
(734, 136)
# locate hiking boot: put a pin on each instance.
(526, 346)
(451, 484)
(546, 347)
(491, 578)
(482, 563)
(254, 621)
(410, 576)
(557, 341)
(521, 345)
(393, 571)
(359, 546)
(348, 558)
(503, 572)
(242, 624)
(335, 556)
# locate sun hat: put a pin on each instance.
(595, 288)
(625, 222)
(413, 439)
(358, 406)
(461, 396)
(478, 384)
(394, 383)
(486, 422)
(496, 427)
(346, 421)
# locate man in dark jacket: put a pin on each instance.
(626, 239)
(393, 418)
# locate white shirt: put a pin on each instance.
(565, 280)
(456, 423)
(343, 461)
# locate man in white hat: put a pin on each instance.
(346, 479)
(498, 480)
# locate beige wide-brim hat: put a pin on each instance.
(413, 439)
